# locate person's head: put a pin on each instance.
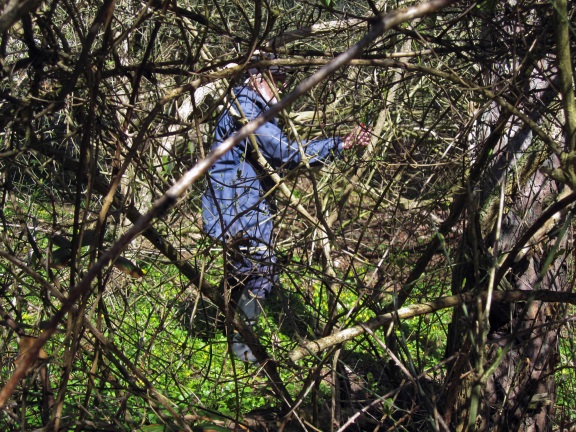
(259, 78)
(276, 71)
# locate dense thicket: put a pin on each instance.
(426, 281)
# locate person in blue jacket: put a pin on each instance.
(235, 210)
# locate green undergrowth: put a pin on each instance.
(159, 353)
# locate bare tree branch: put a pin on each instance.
(13, 10)
(318, 345)
(383, 23)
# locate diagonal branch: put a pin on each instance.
(123, 363)
(162, 205)
(14, 10)
(314, 347)
(316, 30)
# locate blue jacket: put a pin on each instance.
(232, 203)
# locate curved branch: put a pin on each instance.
(565, 71)
(121, 361)
(533, 234)
(315, 30)
(14, 10)
(314, 347)
(453, 78)
(161, 206)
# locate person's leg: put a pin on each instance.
(257, 286)
(250, 308)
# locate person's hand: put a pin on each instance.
(360, 136)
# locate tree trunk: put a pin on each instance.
(501, 376)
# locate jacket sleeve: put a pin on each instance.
(279, 150)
